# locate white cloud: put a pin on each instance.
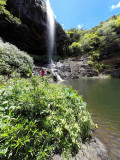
(115, 6)
(80, 26)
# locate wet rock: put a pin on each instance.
(74, 68)
(94, 150)
(51, 74)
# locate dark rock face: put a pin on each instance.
(111, 56)
(33, 10)
(31, 35)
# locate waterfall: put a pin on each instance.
(51, 38)
(50, 30)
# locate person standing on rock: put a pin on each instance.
(43, 72)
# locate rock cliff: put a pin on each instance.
(30, 35)
(110, 56)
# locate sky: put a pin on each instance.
(83, 13)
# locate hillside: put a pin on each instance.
(101, 43)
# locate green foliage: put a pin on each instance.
(95, 40)
(90, 41)
(90, 62)
(75, 48)
(2, 5)
(94, 56)
(75, 34)
(108, 31)
(38, 119)
(117, 21)
(99, 67)
(12, 59)
(9, 16)
(98, 37)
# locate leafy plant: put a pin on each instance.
(2, 5)
(8, 15)
(99, 66)
(38, 120)
(117, 21)
(12, 59)
(75, 48)
(90, 62)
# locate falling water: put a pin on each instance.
(51, 38)
(50, 30)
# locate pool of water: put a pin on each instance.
(103, 99)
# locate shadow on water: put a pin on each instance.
(103, 99)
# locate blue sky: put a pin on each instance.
(83, 13)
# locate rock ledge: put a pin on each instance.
(94, 150)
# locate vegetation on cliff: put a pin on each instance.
(2, 5)
(95, 40)
(7, 14)
(38, 119)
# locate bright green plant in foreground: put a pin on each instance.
(38, 119)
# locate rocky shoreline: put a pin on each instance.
(93, 150)
(71, 68)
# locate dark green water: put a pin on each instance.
(103, 99)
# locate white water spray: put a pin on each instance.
(50, 30)
(51, 38)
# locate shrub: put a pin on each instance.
(117, 21)
(12, 59)
(75, 34)
(38, 118)
(90, 62)
(108, 31)
(94, 55)
(96, 38)
(89, 42)
(2, 5)
(8, 15)
(99, 67)
(75, 48)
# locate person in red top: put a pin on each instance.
(42, 72)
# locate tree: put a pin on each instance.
(2, 4)
(75, 48)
